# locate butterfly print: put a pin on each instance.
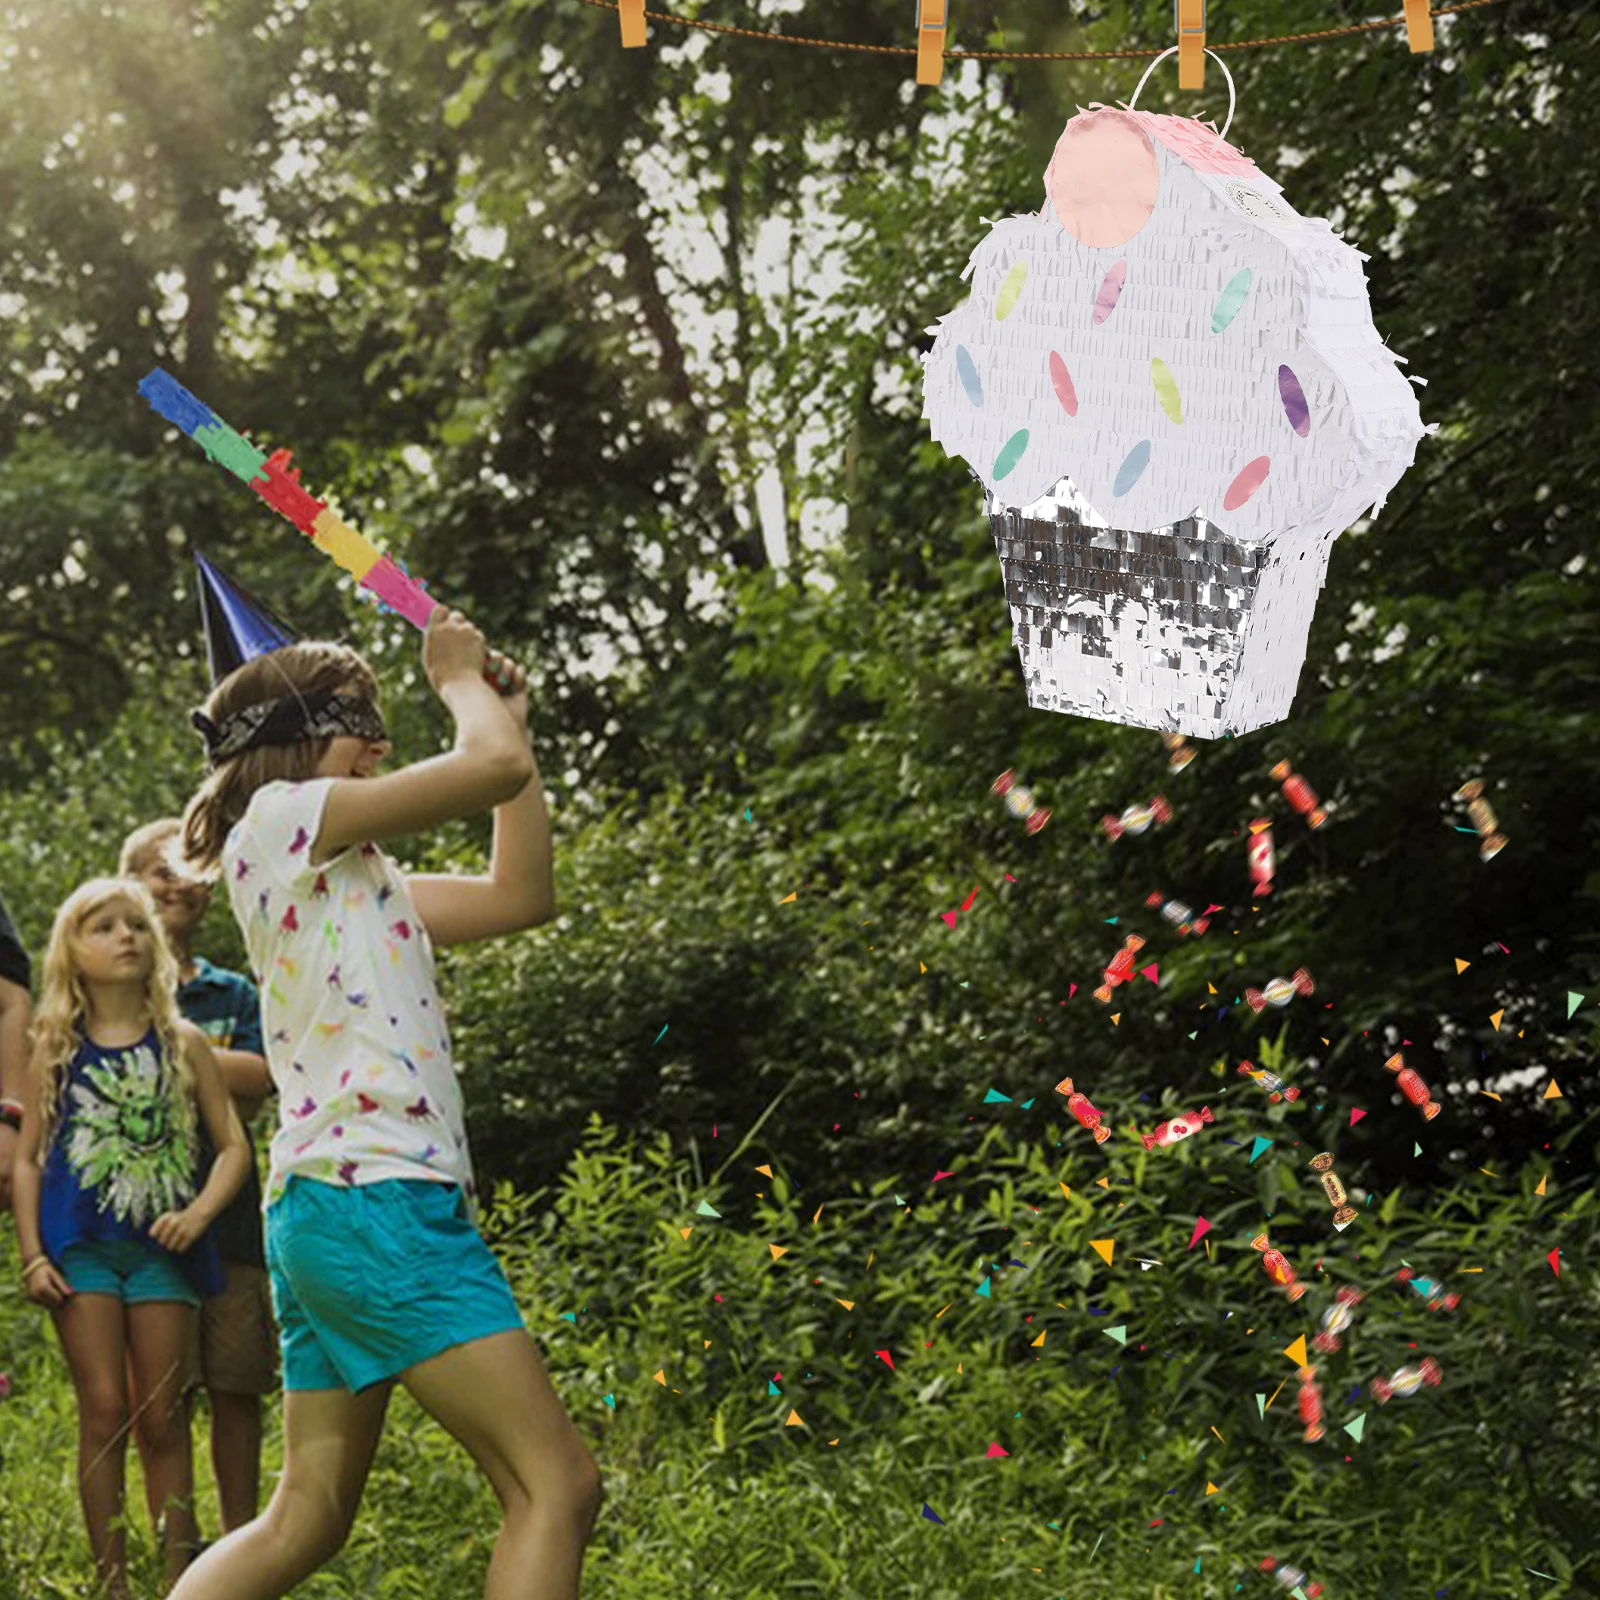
(421, 1109)
(402, 927)
(241, 870)
(366, 1102)
(288, 966)
(281, 1036)
(299, 842)
(347, 1172)
(305, 1108)
(261, 902)
(319, 889)
(344, 1077)
(385, 894)
(333, 977)
(428, 1152)
(329, 1029)
(290, 922)
(359, 1000)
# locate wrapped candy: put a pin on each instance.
(1430, 1290)
(1269, 1081)
(1483, 819)
(1019, 801)
(1137, 818)
(1343, 1214)
(1300, 795)
(1407, 1380)
(1310, 1403)
(1337, 1318)
(1086, 1114)
(1291, 1577)
(1176, 1128)
(1121, 968)
(1181, 752)
(1276, 1266)
(1178, 914)
(1261, 857)
(1412, 1086)
(1280, 991)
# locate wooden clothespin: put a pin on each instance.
(1419, 26)
(932, 19)
(1192, 43)
(631, 13)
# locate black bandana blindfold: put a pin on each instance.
(327, 715)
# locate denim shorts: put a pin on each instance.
(129, 1269)
(370, 1279)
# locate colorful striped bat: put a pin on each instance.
(276, 482)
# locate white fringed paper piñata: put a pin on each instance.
(1170, 387)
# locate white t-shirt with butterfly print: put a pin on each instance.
(356, 1037)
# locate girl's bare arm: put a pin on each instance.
(25, 1173)
(179, 1229)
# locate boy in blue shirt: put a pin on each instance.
(238, 1352)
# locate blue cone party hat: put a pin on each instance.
(238, 627)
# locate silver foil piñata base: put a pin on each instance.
(1178, 628)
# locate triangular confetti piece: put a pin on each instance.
(1039, 1341)
(1259, 827)
(993, 1451)
(793, 1420)
(765, 1169)
(705, 1211)
(661, 1378)
(778, 1250)
(1356, 1114)
(1573, 1002)
(929, 1515)
(994, 1096)
(1261, 1144)
(983, 1289)
(1297, 1351)
(1152, 972)
(1540, 1189)
(1261, 1405)
(1105, 1183)
(1416, 1149)
(1211, 986)
(1119, 1333)
(1489, 1094)
(786, 899)
(1495, 1019)
(1461, 966)
(1554, 1258)
(1354, 1428)
(1103, 1248)
(1199, 1229)
(685, 1232)
(1065, 1191)
(1552, 1093)
(772, 1388)
(1195, 1035)
(1197, 1563)
(849, 1305)
(1116, 1017)
(921, 968)
(1211, 1488)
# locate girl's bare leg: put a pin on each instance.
(92, 1335)
(329, 1438)
(495, 1397)
(158, 1335)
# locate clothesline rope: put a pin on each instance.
(1030, 55)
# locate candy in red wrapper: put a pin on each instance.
(1180, 751)
(1176, 1128)
(1137, 818)
(1019, 801)
(1412, 1086)
(1407, 1380)
(1269, 1081)
(1086, 1114)
(1483, 819)
(1276, 1266)
(1337, 1318)
(1280, 991)
(1300, 795)
(1178, 914)
(1259, 853)
(1431, 1291)
(1121, 968)
(1310, 1403)
(1291, 1577)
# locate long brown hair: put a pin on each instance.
(64, 1001)
(309, 667)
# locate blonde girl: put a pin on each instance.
(111, 1226)
(378, 1273)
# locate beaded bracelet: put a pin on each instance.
(33, 1266)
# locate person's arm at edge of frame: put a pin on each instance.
(16, 1020)
(519, 889)
(41, 1277)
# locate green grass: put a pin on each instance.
(709, 1492)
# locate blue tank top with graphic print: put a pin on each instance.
(121, 1155)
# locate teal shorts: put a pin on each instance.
(368, 1280)
(132, 1271)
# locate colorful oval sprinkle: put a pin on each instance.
(1294, 402)
(1132, 468)
(1166, 388)
(1010, 290)
(968, 374)
(1229, 301)
(1105, 302)
(1246, 484)
(1062, 379)
(1010, 454)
